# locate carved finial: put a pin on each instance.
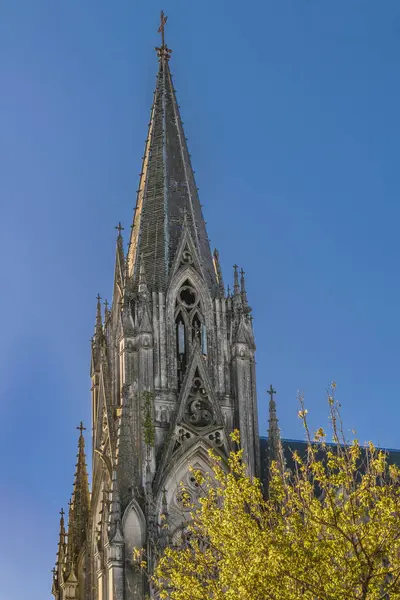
(235, 280)
(218, 272)
(271, 392)
(275, 449)
(246, 306)
(99, 320)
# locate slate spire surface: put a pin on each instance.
(167, 190)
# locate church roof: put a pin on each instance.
(300, 446)
(167, 191)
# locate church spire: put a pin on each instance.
(167, 189)
(58, 569)
(275, 450)
(79, 506)
(61, 540)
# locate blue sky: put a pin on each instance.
(291, 110)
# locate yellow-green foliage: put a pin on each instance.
(328, 531)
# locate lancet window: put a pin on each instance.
(190, 326)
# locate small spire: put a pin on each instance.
(99, 320)
(236, 289)
(218, 272)
(106, 311)
(61, 546)
(245, 303)
(236, 298)
(79, 504)
(275, 450)
(70, 538)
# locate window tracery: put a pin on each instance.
(190, 326)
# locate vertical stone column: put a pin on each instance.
(163, 347)
(243, 400)
(156, 342)
(115, 564)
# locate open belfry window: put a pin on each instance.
(190, 326)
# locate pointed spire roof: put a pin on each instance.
(275, 449)
(79, 506)
(236, 288)
(218, 272)
(243, 292)
(58, 569)
(61, 540)
(119, 271)
(167, 189)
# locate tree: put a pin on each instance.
(328, 530)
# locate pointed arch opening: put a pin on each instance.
(190, 326)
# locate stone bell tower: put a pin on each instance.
(173, 371)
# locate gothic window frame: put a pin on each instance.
(189, 312)
(187, 273)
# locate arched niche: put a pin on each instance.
(81, 573)
(134, 532)
(180, 484)
(133, 527)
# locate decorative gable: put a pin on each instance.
(186, 254)
(198, 416)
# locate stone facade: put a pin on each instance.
(173, 373)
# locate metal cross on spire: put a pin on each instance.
(163, 51)
(271, 392)
(119, 228)
(163, 20)
(81, 427)
(62, 513)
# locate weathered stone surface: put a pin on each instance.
(173, 373)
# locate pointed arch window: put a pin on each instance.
(190, 326)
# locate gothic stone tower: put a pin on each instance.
(173, 373)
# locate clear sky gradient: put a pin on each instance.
(291, 108)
